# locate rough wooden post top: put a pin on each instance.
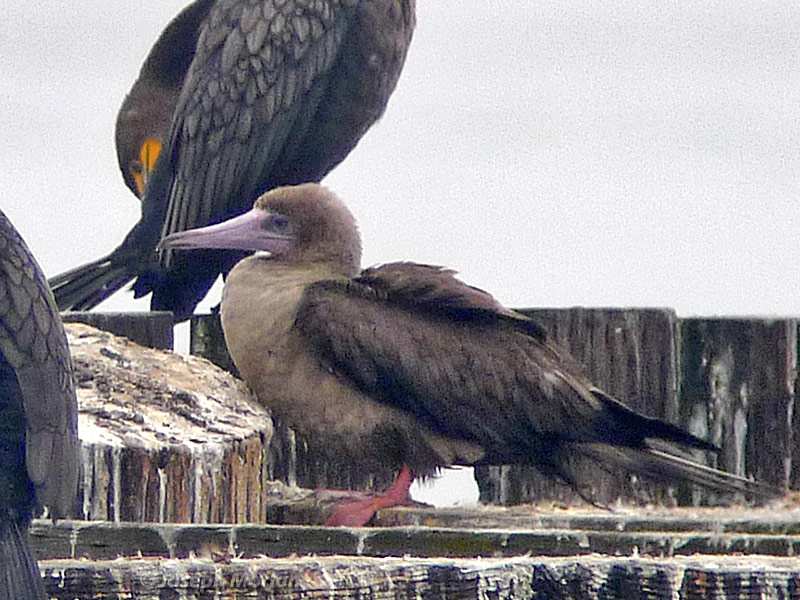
(165, 437)
(153, 329)
(132, 395)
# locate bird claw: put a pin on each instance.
(359, 513)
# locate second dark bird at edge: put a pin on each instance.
(234, 99)
(39, 446)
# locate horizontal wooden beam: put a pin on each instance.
(428, 532)
(590, 577)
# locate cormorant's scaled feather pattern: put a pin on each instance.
(39, 448)
(275, 93)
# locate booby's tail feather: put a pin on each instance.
(662, 466)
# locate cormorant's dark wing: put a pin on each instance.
(37, 375)
(38, 414)
(252, 91)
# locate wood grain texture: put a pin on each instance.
(738, 390)
(729, 578)
(150, 329)
(165, 438)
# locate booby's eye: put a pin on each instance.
(278, 224)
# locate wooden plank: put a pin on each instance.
(631, 354)
(425, 532)
(782, 518)
(738, 390)
(592, 578)
(150, 329)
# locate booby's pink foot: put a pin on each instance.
(358, 514)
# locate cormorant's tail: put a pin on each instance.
(84, 287)
(661, 466)
(19, 573)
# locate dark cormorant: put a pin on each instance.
(38, 413)
(257, 94)
(146, 113)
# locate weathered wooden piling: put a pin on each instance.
(149, 329)
(738, 389)
(165, 438)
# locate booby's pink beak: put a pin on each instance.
(245, 232)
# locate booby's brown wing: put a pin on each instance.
(434, 288)
(254, 86)
(36, 374)
(417, 338)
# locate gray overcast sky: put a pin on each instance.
(555, 153)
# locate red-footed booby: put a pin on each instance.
(244, 96)
(39, 448)
(403, 365)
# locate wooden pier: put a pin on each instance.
(196, 488)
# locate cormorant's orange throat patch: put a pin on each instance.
(141, 169)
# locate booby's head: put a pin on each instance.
(299, 224)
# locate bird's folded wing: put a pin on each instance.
(416, 338)
(251, 91)
(33, 343)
